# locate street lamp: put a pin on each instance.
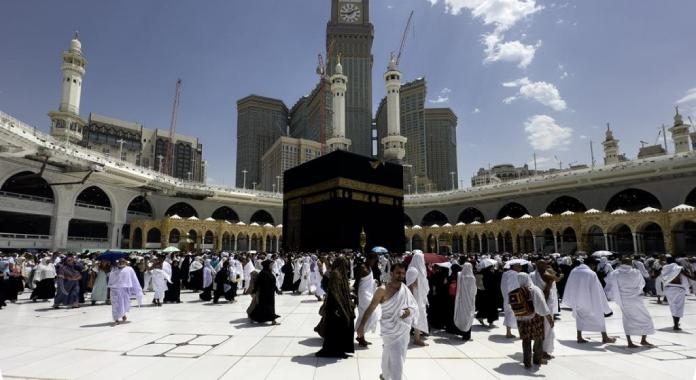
(254, 185)
(452, 174)
(415, 184)
(189, 175)
(120, 149)
(244, 172)
(409, 189)
(278, 181)
(160, 157)
(274, 187)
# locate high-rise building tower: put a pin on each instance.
(393, 144)
(260, 122)
(680, 134)
(441, 144)
(350, 33)
(611, 148)
(66, 123)
(338, 138)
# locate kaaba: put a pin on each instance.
(329, 201)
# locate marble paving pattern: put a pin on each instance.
(197, 340)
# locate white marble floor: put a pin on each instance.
(195, 340)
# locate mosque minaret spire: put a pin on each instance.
(338, 82)
(394, 142)
(66, 123)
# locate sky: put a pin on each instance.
(524, 77)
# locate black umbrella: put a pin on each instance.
(112, 256)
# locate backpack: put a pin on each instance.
(521, 302)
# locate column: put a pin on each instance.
(514, 244)
(504, 245)
(555, 242)
(59, 231)
(234, 236)
(606, 242)
(669, 241)
(534, 243)
(497, 249)
(263, 244)
(635, 242)
(480, 244)
(114, 234)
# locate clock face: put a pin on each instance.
(349, 13)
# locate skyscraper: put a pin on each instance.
(260, 122)
(350, 34)
(441, 145)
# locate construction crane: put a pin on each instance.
(323, 73)
(167, 162)
(409, 24)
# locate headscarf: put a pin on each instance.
(417, 271)
(524, 280)
(339, 287)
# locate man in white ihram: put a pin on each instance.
(399, 308)
(584, 294)
(417, 282)
(625, 287)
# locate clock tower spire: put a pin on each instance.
(350, 33)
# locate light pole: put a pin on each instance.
(278, 180)
(409, 189)
(254, 185)
(274, 187)
(120, 149)
(452, 174)
(244, 172)
(415, 184)
(189, 175)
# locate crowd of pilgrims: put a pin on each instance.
(450, 291)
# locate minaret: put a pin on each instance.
(338, 81)
(680, 134)
(66, 123)
(393, 143)
(611, 148)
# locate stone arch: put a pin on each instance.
(684, 237)
(261, 217)
(507, 242)
(225, 213)
(594, 238)
(137, 242)
(407, 221)
(568, 241)
(154, 235)
(526, 242)
(513, 210)
(471, 214)
(226, 241)
(94, 196)
(28, 183)
(457, 243)
(182, 209)
(691, 198)
(174, 236)
(87, 229)
(192, 236)
(434, 217)
(140, 206)
(621, 239)
(565, 203)
(632, 200)
(209, 237)
(242, 242)
(417, 242)
(650, 238)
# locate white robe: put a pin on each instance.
(278, 272)
(304, 277)
(552, 305)
(317, 276)
(159, 279)
(248, 268)
(465, 300)
(676, 296)
(509, 283)
(417, 273)
(123, 284)
(584, 294)
(625, 287)
(366, 289)
(395, 332)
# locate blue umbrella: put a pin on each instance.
(112, 256)
(380, 250)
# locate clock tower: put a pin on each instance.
(350, 34)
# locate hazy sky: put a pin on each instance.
(522, 76)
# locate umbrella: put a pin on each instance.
(485, 263)
(555, 255)
(601, 254)
(515, 262)
(379, 249)
(112, 256)
(170, 249)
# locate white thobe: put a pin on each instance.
(676, 296)
(123, 284)
(395, 332)
(304, 277)
(366, 289)
(552, 305)
(465, 300)
(584, 294)
(159, 279)
(625, 287)
(420, 293)
(248, 268)
(508, 283)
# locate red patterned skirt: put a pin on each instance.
(531, 328)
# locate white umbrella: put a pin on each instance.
(555, 255)
(601, 253)
(170, 249)
(485, 263)
(515, 262)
